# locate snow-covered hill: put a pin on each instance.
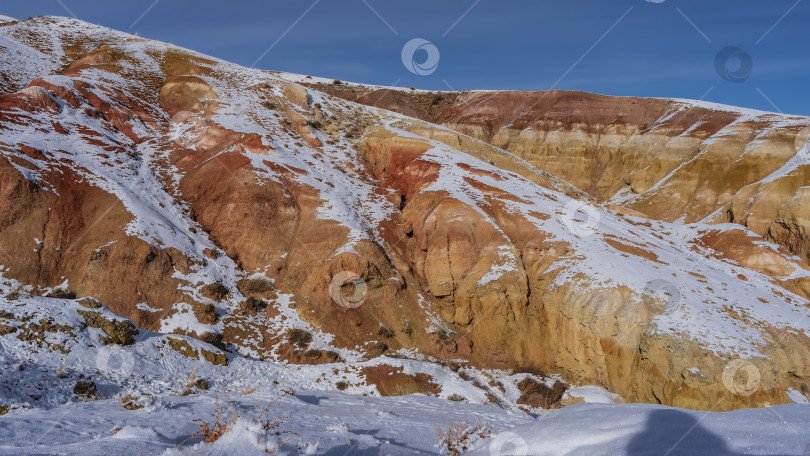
(176, 229)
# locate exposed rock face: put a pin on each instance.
(668, 159)
(119, 332)
(201, 198)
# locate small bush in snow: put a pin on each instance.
(85, 389)
(459, 436)
(131, 402)
(532, 369)
(61, 293)
(299, 337)
(14, 294)
(226, 416)
(491, 398)
(538, 395)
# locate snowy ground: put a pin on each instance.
(334, 423)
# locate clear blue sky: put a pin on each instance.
(620, 47)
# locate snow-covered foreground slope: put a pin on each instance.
(332, 423)
(639, 429)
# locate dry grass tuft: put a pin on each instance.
(225, 416)
(532, 369)
(299, 337)
(538, 395)
(191, 378)
(458, 436)
(130, 402)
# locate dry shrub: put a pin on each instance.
(130, 402)
(190, 382)
(252, 305)
(225, 416)
(537, 394)
(14, 294)
(215, 291)
(256, 287)
(299, 337)
(85, 389)
(458, 436)
(492, 399)
(61, 293)
(532, 369)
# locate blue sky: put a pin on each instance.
(619, 47)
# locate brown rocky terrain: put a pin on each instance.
(668, 159)
(509, 230)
